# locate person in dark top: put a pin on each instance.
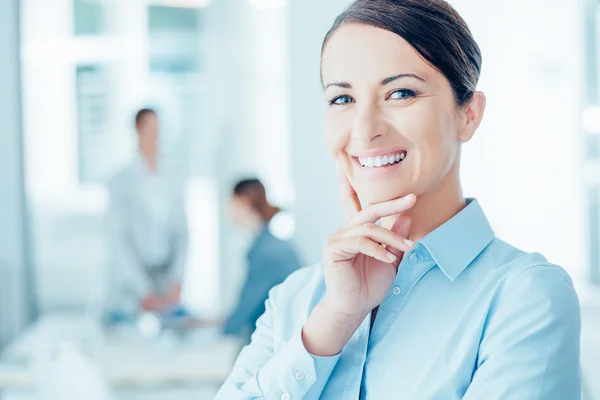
(270, 259)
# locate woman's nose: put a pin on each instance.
(369, 124)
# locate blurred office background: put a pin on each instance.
(236, 83)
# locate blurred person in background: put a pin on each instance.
(148, 231)
(270, 259)
(416, 297)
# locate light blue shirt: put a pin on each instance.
(469, 317)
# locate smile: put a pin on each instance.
(382, 161)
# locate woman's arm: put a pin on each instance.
(530, 347)
(291, 372)
(359, 266)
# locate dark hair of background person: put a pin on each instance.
(139, 116)
(255, 192)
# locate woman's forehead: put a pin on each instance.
(359, 52)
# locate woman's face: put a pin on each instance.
(242, 214)
(392, 123)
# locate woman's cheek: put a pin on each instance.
(336, 139)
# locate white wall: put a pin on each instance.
(317, 207)
(13, 269)
(67, 225)
(525, 162)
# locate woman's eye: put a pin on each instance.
(340, 101)
(401, 94)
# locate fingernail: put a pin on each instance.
(409, 242)
(337, 164)
(409, 196)
(391, 257)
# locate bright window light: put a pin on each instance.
(268, 3)
(182, 3)
(591, 120)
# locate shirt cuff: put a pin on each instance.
(293, 371)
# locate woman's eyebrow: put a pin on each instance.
(401, 76)
(384, 82)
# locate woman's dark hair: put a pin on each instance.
(433, 28)
(255, 192)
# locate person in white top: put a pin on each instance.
(148, 231)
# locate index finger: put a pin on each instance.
(377, 211)
(350, 201)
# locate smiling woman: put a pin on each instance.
(415, 287)
(405, 104)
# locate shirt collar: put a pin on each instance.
(455, 244)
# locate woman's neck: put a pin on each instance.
(434, 207)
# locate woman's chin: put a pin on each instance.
(375, 196)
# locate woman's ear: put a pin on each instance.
(473, 116)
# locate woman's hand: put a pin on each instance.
(361, 259)
(360, 262)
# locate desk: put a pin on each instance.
(125, 361)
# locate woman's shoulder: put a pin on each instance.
(523, 277)
(511, 262)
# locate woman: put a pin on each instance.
(270, 259)
(427, 303)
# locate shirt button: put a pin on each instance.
(396, 290)
(412, 257)
(299, 376)
(285, 396)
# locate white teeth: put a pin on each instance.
(371, 162)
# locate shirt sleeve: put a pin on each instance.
(290, 372)
(530, 346)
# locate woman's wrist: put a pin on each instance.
(326, 332)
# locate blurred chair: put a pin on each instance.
(590, 350)
(6, 322)
(585, 392)
(587, 380)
